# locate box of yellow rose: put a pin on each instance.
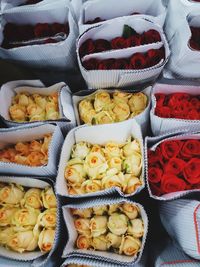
(107, 106)
(30, 150)
(30, 218)
(102, 160)
(29, 101)
(111, 229)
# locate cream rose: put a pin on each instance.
(136, 228)
(100, 243)
(33, 198)
(113, 208)
(133, 164)
(17, 113)
(100, 210)
(83, 242)
(25, 217)
(47, 219)
(91, 186)
(83, 213)
(103, 117)
(11, 194)
(138, 102)
(74, 172)
(98, 225)
(112, 150)
(116, 163)
(101, 100)
(6, 214)
(118, 224)
(113, 240)
(49, 198)
(130, 246)
(46, 240)
(23, 99)
(121, 111)
(75, 190)
(80, 150)
(131, 210)
(113, 181)
(6, 233)
(121, 96)
(132, 183)
(83, 226)
(95, 165)
(131, 147)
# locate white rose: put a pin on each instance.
(98, 225)
(116, 163)
(6, 233)
(80, 150)
(95, 165)
(121, 96)
(118, 224)
(47, 219)
(112, 150)
(103, 117)
(74, 172)
(113, 181)
(121, 111)
(131, 147)
(133, 164)
(136, 228)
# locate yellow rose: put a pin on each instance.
(83, 213)
(23, 99)
(132, 183)
(102, 99)
(130, 245)
(11, 194)
(136, 228)
(25, 217)
(121, 96)
(131, 210)
(91, 186)
(118, 224)
(20, 159)
(103, 117)
(17, 113)
(97, 148)
(49, 198)
(121, 111)
(112, 150)
(74, 172)
(137, 102)
(34, 109)
(36, 158)
(47, 219)
(46, 144)
(23, 241)
(83, 226)
(110, 181)
(40, 100)
(98, 225)
(113, 208)
(46, 240)
(113, 240)
(133, 164)
(135, 113)
(83, 242)
(88, 116)
(116, 163)
(95, 165)
(86, 111)
(100, 243)
(51, 111)
(80, 150)
(100, 210)
(37, 117)
(22, 148)
(131, 147)
(6, 214)
(6, 233)
(33, 199)
(75, 190)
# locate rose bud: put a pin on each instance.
(131, 183)
(119, 64)
(46, 240)
(190, 148)
(102, 210)
(138, 102)
(33, 199)
(74, 172)
(83, 242)
(131, 147)
(112, 150)
(47, 219)
(115, 163)
(91, 64)
(154, 56)
(95, 165)
(6, 214)
(110, 181)
(171, 183)
(49, 198)
(83, 226)
(91, 186)
(103, 117)
(80, 150)
(131, 210)
(191, 171)
(106, 64)
(121, 111)
(113, 240)
(135, 40)
(133, 164)
(118, 224)
(136, 228)
(98, 225)
(121, 96)
(174, 166)
(11, 194)
(99, 243)
(101, 100)
(130, 246)
(25, 217)
(87, 48)
(138, 61)
(17, 113)
(170, 148)
(118, 43)
(101, 45)
(152, 36)
(6, 233)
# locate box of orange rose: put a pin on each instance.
(102, 160)
(29, 219)
(30, 150)
(109, 230)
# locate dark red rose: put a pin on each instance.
(118, 43)
(26, 32)
(120, 64)
(134, 40)
(160, 98)
(174, 166)
(194, 45)
(155, 189)
(154, 175)
(101, 45)
(138, 61)
(195, 102)
(106, 64)
(171, 183)
(87, 48)
(152, 36)
(190, 148)
(57, 28)
(154, 56)
(171, 148)
(42, 30)
(155, 157)
(163, 112)
(191, 171)
(91, 64)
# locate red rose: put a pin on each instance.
(152, 36)
(190, 148)
(193, 114)
(134, 40)
(42, 30)
(101, 45)
(191, 171)
(163, 112)
(176, 99)
(90, 64)
(170, 149)
(154, 56)
(155, 189)
(87, 48)
(171, 183)
(58, 28)
(174, 166)
(106, 64)
(160, 98)
(154, 175)
(120, 64)
(118, 43)
(138, 61)
(155, 157)
(195, 102)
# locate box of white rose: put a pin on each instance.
(30, 200)
(104, 206)
(7, 4)
(23, 135)
(121, 77)
(172, 215)
(104, 175)
(96, 12)
(172, 159)
(142, 118)
(57, 52)
(161, 125)
(9, 91)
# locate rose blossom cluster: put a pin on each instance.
(15, 35)
(178, 105)
(174, 166)
(195, 38)
(34, 107)
(27, 218)
(94, 168)
(117, 228)
(104, 107)
(33, 153)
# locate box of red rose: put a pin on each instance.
(102, 160)
(43, 37)
(30, 150)
(109, 106)
(174, 107)
(173, 164)
(96, 12)
(122, 52)
(179, 215)
(30, 220)
(28, 102)
(7, 4)
(112, 230)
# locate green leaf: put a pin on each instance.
(93, 121)
(128, 31)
